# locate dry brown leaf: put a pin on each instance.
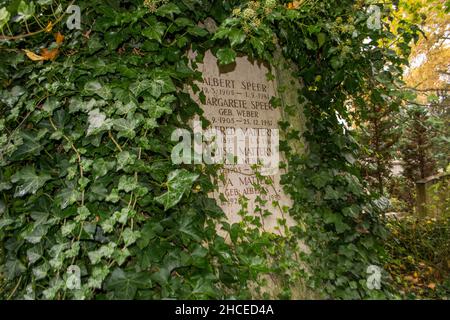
(59, 38)
(49, 54)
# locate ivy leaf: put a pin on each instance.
(336, 219)
(127, 184)
(124, 159)
(203, 289)
(173, 260)
(183, 22)
(25, 10)
(40, 271)
(30, 147)
(130, 236)
(221, 33)
(155, 31)
(168, 10)
(120, 256)
(140, 86)
(99, 274)
(336, 62)
(351, 211)
(187, 226)
(321, 179)
(101, 167)
(4, 17)
(82, 213)
(157, 109)
(321, 37)
(13, 268)
(114, 39)
(162, 84)
(105, 251)
(30, 182)
(331, 194)
(148, 232)
(125, 284)
(258, 44)
(95, 87)
(97, 122)
(125, 108)
(197, 31)
(34, 254)
(179, 182)
(236, 36)
(38, 231)
(125, 127)
(311, 45)
(67, 196)
(226, 56)
(113, 196)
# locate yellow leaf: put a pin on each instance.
(49, 27)
(296, 4)
(33, 56)
(432, 285)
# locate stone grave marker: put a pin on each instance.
(237, 100)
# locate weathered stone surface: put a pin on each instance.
(238, 96)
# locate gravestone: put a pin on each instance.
(238, 97)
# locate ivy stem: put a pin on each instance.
(38, 22)
(26, 26)
(15, 289)
(115, 142)
(77, 153)
(35, 32)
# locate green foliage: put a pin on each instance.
(379, 135)
(440, 130)
(86, 177)
(178, 183)
(419, 251)
(341, 219)
(417, 145)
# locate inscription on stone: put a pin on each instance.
(238, 98)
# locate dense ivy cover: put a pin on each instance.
(85, 171)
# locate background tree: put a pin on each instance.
(416, 147)
(428, 75)
(378, 135)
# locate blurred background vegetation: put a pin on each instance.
(407, 157)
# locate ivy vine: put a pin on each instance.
(85, 173)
